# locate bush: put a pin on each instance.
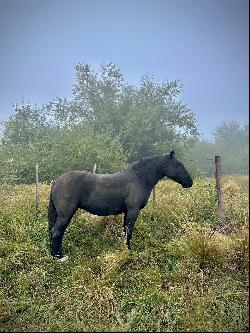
(64, 150)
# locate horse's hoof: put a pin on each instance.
(62, 259)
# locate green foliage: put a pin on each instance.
(182, 274)
(148, 119)
(107, 122)
(62, 150)
(27, 125)
(231, 142)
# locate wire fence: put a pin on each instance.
(208, 170)
(195, 167)
(214, 168)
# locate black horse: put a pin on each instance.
(109, 194)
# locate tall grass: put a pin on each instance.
(184, 273)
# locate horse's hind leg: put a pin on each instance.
(57, 235)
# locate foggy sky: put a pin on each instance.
(204, 43)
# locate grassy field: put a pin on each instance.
(184, 272)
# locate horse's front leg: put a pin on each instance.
(129, 222)
(124, 223)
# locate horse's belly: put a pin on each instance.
(102, 210)
(103, 206)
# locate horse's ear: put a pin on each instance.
(172, 154)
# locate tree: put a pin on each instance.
(107, 122)
(65, 150)
(148, 119)
(233, 134)
(231, 143)
(26, 125)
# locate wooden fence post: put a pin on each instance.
(37, 191)
(218, 189)
(94, 168)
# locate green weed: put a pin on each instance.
(184, 273)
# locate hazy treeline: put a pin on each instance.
(231, 141)
(111, 123)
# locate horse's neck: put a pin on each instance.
(150, 172)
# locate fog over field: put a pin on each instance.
(204, 44)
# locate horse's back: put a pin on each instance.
(69, 180)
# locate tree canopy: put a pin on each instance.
(148, 119)
(108, 122)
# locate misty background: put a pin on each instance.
(110, 82)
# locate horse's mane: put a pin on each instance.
(146, 165)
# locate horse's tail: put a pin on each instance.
(52, 214)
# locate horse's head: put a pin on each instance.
(176, 171)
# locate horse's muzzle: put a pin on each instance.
(188, 184)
